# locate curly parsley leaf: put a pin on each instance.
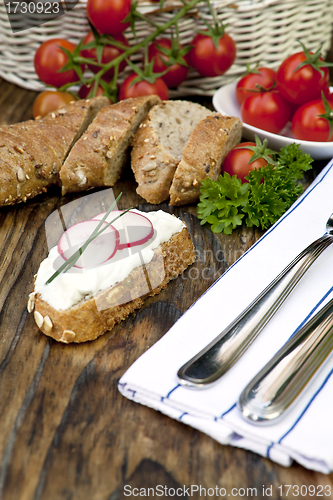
(221, 203)
(266, 202)
(269, 192)
(295, 160)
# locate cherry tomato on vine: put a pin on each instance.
(141, 88)
(108, 15)
(266, 110)
(308, 125)
(254, 80)
(176, 72)
(85, 89)
(110, 52)
(237, 161)
(209, 61)
(305, 83)
(49, 101)
(49, 59)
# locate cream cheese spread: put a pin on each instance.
(67, 289)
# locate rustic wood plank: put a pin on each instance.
(15, 103)
(67, 370)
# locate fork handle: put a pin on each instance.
(223, 352)
(277, 386)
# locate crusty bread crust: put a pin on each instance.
(203, 155)
(92, 317)
(158, 145)
(33, 152)
(98, 158)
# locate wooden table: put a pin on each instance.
(66, 431)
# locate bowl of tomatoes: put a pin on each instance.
(292, 104)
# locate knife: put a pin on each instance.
(278, 386)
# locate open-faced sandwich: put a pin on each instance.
(131, 255)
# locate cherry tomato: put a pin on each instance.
(109, 53)
(209, 61)
(85, 89)
(49, 59)
(300, 85)
(176, 73)
(266, 110)
(328, 92)
(260, 78)
(307, 125)
(108, 15)
(142, 88)
(49, 101)
(237, 161)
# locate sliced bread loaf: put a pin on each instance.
(34, 151)
(99, 157)
(203, 156)
(158, 146)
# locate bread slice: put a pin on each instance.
(18, 180)
(203, 155)
(158, 146)
(93, 316)
(99, 157)
(35, 150)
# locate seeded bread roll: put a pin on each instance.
(99, 157)
(203, 155)
(93, 316)
(158, 146)
(32, 152)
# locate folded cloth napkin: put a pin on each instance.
(305, 434)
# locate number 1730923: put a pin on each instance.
(306, 491)
(34, 7)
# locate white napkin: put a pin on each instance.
(305, 434)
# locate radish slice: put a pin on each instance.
(99, 250)
(134, 229)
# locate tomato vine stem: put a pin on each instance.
(98, 76)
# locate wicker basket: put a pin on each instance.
(265, 31)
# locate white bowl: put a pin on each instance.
(225, 102)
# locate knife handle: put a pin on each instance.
(222, 353)
(273, 390)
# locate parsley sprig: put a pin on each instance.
(227, 203)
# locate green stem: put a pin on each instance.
(147, 19)
(160, 29)
(97, 231)
(213, 14)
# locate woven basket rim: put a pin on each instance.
(256, 25)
